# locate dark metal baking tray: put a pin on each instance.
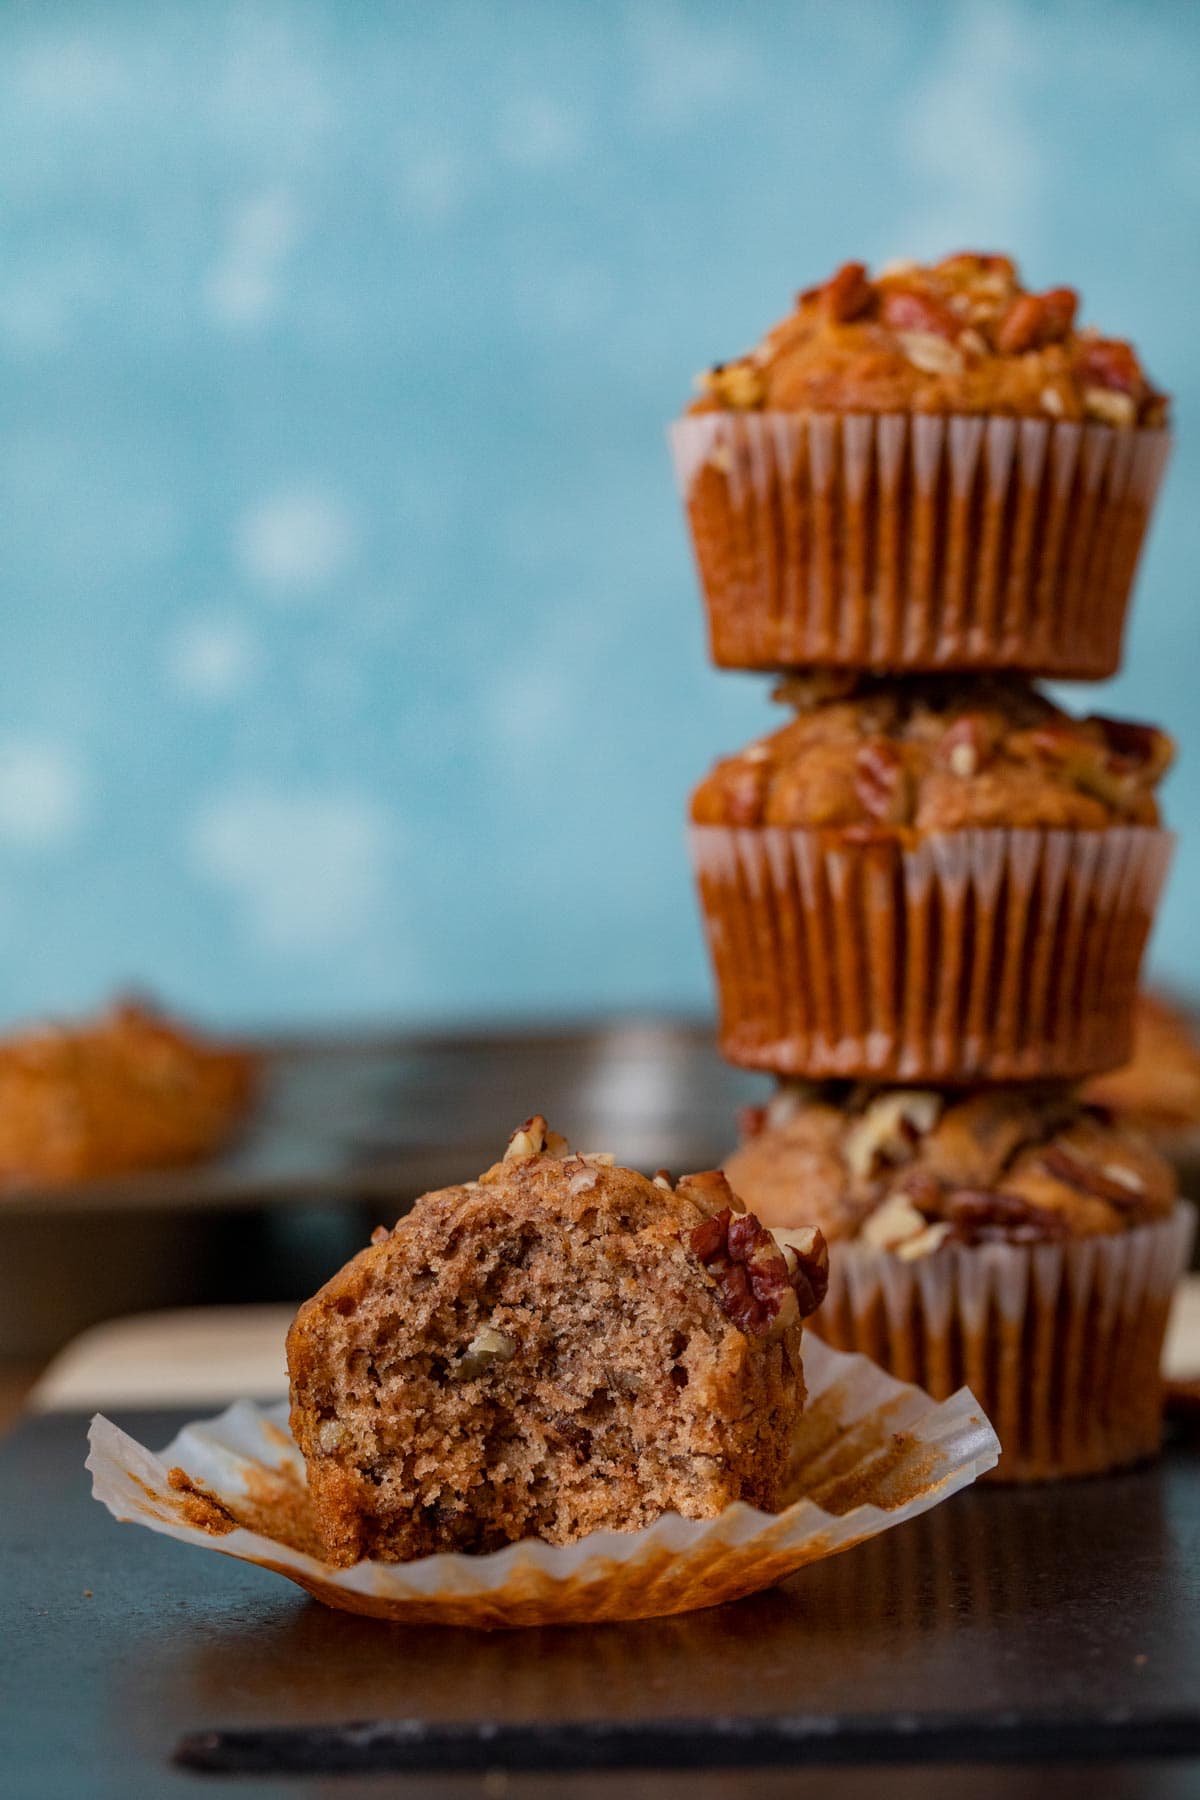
(358, 1115)
(1003, 1627)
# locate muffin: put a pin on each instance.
(129, 1090)
(560, 1347)
(939, 879)
(1017, 1240)
(1158, 1089)
(933, 468)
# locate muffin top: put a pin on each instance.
(762, 1289)
(959, 336)
(879, 758)
(910, 1169)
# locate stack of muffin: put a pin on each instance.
(927, 895)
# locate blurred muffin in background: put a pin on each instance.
(1158, 1089)
(128, 1090)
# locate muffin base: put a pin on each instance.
(1060, 1343)
(916, 542)
(980, 954)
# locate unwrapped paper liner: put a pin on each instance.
(910, 542)
(1062, 1342)
(869, 1452)
(993, 953)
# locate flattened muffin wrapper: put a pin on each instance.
(916, 541)
(868, 1453)
(988, 953)
(1061, 1342)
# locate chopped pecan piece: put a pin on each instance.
(1018, 330)
(1059, 306)
(756, 1287)
(486, 1348)
(848, 293)
(1110, 407)
(1036, 319)
(894, 1223)
(882, 784)
(967, 746)
(710, 1191)
(932, 354)
(1140, 747)
(736, 384)
(990, 1216)
(1110, 363)
(535, 1138)
(907, 309)
(807, 1256)
(890, 1130)
(1086, 1178)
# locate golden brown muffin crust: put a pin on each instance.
(560, 1347)
(909, 1169)
(959, 336)
(936, 754)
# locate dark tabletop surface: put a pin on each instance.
(1055, 1624)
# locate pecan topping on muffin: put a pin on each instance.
(960, 335)
(759, 1288)
(908, 1170)
(939, 754)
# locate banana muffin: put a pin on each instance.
(1158, 1089)
(129, 1090)
(1015, 1240)
(560, 1347)
(934, 467)
(940, 879)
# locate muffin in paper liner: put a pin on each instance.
(869, 1452)
(916, 541)
(1003, 954)
(1062, 1342)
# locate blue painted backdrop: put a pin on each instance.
(351, 658)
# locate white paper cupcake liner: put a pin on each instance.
(986, 953)
(908, 542)
(1061, 1342)
(869, 1452)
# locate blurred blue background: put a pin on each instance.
(352, 659)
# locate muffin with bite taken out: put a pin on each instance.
(563, 1346)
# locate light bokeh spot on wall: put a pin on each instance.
(353, 662)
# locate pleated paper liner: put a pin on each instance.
(979, 954)
(1062, 1343)
(907, 542)
(869, 1452)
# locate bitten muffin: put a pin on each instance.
(930, 468)
(130, 1090)
(560, 1347)
(939, 879)
(1016, 1240)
